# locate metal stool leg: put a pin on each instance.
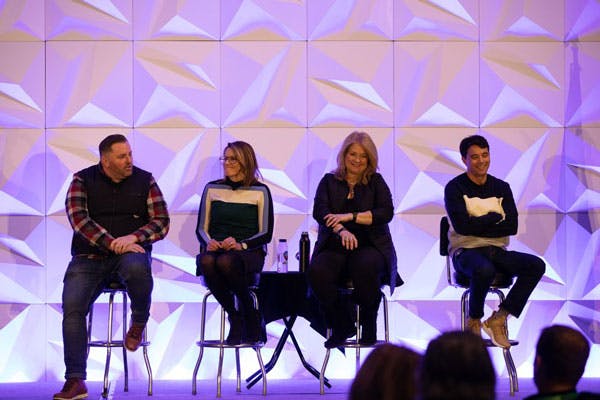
(358, 331)
(464, 309)
(257, 349)
(238, 383)
(262, 370)
(202, 330)
(109, 336)
(89, 329)
(324, 367)
(147, 362)
(221, 353)
(125, 363)
(386, 322)
(512, 371)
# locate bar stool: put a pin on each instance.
(221, 344)
(346, 290)
(458, 280)
(114, 287)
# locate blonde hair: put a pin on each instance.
(364, 140)
(244, 153)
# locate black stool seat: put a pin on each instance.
(501, 280)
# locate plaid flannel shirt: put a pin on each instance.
(77, 212)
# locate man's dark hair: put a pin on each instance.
(107, 142)
(457, 366)
(469, 141)
(563, 352)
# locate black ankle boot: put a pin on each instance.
(336, 339)
(236, 329)
(342, 328)
(253, 327)
(368, 323)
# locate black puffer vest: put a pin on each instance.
(120, 208)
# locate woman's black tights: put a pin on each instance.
(225, 276)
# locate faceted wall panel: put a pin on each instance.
(522, 20)
(416, 20)
(263, 20)
(176, 20)
(177, 84)
(521, 84)
(582, 61)
(582, 21)
(181, 79)
(22, 20)
(436, 84)
(89, 83)
(22, 85)
(22, 181)
(88, 20)
(344, 92)
(350, 20)
(264, 84)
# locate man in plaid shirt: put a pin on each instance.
(117, 211)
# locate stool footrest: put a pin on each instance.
(115, 343)
(488, 342)
(218, 344)
(353, 344)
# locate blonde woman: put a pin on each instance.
(353, 206)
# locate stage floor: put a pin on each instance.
(303, 389)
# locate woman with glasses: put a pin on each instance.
(353, 206)
(235, 224)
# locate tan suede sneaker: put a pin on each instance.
(495, 327)
(473, 325)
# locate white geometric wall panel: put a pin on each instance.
(183, 78)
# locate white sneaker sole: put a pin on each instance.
(78, 397)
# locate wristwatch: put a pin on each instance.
(244, 245)
(354, 215)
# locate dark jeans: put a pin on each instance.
(83, 282)
(480, 265)
(364, 265)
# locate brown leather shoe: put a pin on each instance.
(73, 389)
(134, 336)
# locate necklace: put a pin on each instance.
(351, 190)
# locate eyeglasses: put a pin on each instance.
(230, 160)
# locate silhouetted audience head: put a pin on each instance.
(561, 355)
(457, 366)
(390, 372)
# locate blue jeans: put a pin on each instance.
(83, 283)
(480, 265)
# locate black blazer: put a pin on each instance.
(374, 196)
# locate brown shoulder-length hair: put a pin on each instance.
(244, 153)
(363, 139)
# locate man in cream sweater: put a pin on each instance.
(483, 216)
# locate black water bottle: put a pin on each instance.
(304, 247)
